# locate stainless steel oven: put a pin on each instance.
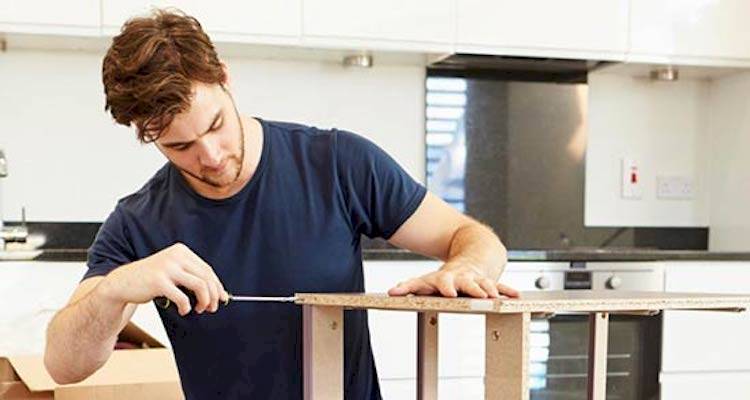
(558, 356)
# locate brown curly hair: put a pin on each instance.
(149, 70)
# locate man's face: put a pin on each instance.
(206, 142)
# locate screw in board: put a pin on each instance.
(433, 321)
(334, 325)
(495, 335)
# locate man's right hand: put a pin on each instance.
(160, 275)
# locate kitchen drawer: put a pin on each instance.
(706, 341)
(700, 386)
(448, 389)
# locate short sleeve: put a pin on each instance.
(378, 194)
(111, 247)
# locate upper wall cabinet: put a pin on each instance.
(75, 17)
(257, 21)
(385, 24)
(689, 28)
(555, 28)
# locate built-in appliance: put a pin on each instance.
(559, 343)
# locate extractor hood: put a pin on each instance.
(516, 68)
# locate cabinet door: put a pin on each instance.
(24, 318)
(697, 341)
(568, 27)
(220, 17)
(460, 336)
(693, 28)
(394, 333)
(395, 21)
(449, 388)
(705, 386)
(398, 389)
(39, 16)
(23, 325)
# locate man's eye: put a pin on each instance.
(217, 127)
(181, 147)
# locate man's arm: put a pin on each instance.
(474, 256)
(84, 332)
(82, 336)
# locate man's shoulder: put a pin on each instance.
(153, 191)
(293, 133)
(295, 130)
(297, 143)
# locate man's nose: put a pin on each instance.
(210, 153)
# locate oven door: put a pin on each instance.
(559, 359)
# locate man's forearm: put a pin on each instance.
(81, 337)
(476, 245)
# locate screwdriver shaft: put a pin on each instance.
(262, 298)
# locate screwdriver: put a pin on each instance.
(164, 302)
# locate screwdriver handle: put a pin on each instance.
(164, 302)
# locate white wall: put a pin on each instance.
(69, 162)
(662, 125)
(729, 164)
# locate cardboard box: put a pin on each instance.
(148, 373)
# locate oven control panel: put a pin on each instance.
(637, 276)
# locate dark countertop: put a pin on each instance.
(69, 241)
(513, 255)
(585, 255)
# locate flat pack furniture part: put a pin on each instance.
(506, 329)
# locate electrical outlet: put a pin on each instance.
(674, 187)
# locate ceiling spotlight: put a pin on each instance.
(669, 73)
(358, 60)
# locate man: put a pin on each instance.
(254, 207)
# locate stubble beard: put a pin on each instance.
(238, 161)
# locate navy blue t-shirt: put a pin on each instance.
(295, 227)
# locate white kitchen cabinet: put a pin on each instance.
(464, 388)
(394, 333)
(460, 336)
(448, 388)
(572, 28)
(678, 29)
(31, 292)
(398, 389)
(75, 17)
(225, 20)
(703, 386)
(705, 353)
(701, 341)
(386, 24)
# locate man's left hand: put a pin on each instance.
(450, 281)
